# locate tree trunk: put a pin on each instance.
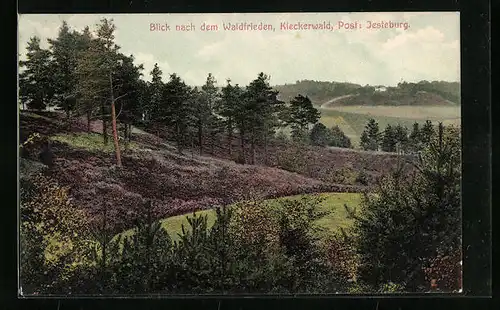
(113, 120)
(104, 124)
(115, 136)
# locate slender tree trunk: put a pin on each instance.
(113, 120)
(115, 136)
(104, 124)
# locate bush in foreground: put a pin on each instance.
(413, 222)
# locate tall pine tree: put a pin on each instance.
(36, 84)
(302, 113)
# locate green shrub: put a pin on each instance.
(53, 232)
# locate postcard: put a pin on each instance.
(239, 154)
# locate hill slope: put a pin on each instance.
(422, 93)
(153, 170)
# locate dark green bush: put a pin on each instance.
(412, 219)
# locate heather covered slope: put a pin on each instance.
(174, 183)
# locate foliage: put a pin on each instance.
(413, 218)
(36, 80)
(320, 136)
(87, 141)
(302, 113)
(292, 158)
(338, 138)
(370, 137)
(53, 233)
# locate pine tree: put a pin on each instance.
(416, 138)
(65, 52)
(263, 108)
(389, 139)
(209, 121)
(96, 71)
(36, 85)
(176, 110)
(338, 138)
(228, 109)
(413, 219)
(320, 136)
(370, 138)
(85, 103)
(302, 113)
(427, 132)
(128, 83)
(401, 137)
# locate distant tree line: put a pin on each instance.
(403, 93)
(85, 74)
(396, 138)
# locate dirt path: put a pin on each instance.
(329, 102)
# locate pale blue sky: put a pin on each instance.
(429, 49)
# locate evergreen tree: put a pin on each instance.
(389, 139)
(263, 108)
(65, 52)
(302, 113)
(338, 138)
(36, 84)
(176, 111)
(427, 132)
(209, 121)
(228, 109)
(85, 103)
(153, 109)
(413, 219)
(401, 136)
(416, 138)
(127, 84)
(96, 71)
(370, 137)
(320, 135)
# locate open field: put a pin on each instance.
(433, 113)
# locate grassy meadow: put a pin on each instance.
(333, 203)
